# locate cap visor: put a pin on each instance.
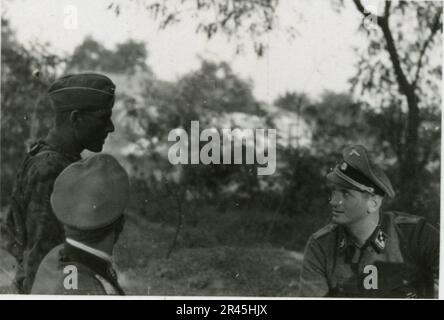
(334, 179)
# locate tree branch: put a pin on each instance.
(404, 84)
(360, 7)
(388, 4)
(434, 29)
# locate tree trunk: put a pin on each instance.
(409, 163)
(408, 156)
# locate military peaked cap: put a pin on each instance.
(358, 172)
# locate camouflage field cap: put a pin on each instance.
(91, 193)
(82, 91)
(358, 172)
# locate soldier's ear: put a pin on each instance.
(74, 117)
(374, 203)
(379, 200)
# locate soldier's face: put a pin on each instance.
(348, 206)
(118, 227)
(93, 128)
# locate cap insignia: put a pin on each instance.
(354, 152)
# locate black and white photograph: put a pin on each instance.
(220, 149)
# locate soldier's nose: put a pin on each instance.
(335, 200)
(110, 127)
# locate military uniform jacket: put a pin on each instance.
(31, 229)
(399, 260)
(67, 270)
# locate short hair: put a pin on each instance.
(368, 195)
(60, 118)
(95, 235)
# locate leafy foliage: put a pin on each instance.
(399, 74)
(26, 112)
(126, 58)
(233, 18)
(382, 119)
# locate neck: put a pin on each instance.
(361, 230)
(64, 139)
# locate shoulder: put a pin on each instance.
(55, 277)
(85, 281)
(48, 273)
(406, 224)
(325, 231)
(401, 218)
(412, 227)
(321, 244)
(418, 237)
(47, 164)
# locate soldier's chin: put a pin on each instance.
(337, 219)
(95, 147)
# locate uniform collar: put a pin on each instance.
(346, 241)
(377, 239)
(72, 253)
(102, 255)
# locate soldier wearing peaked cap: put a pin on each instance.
(89, 199)
(365, 252)
(82, 105)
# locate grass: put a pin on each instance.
(202, 264)
(221, 271)
(234, 253)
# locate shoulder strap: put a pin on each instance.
(37, 149)
(404, 218)
(324, 231)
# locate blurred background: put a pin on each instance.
(323, 73)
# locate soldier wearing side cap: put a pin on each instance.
(89, 199)
(82, 106)
(365, 252)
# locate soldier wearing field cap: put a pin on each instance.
(365, 252)
(89, 199)
(82, 105)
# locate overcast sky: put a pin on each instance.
(319, 58)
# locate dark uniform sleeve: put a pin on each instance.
(44, 232)
(313, 282)
(428, 248)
